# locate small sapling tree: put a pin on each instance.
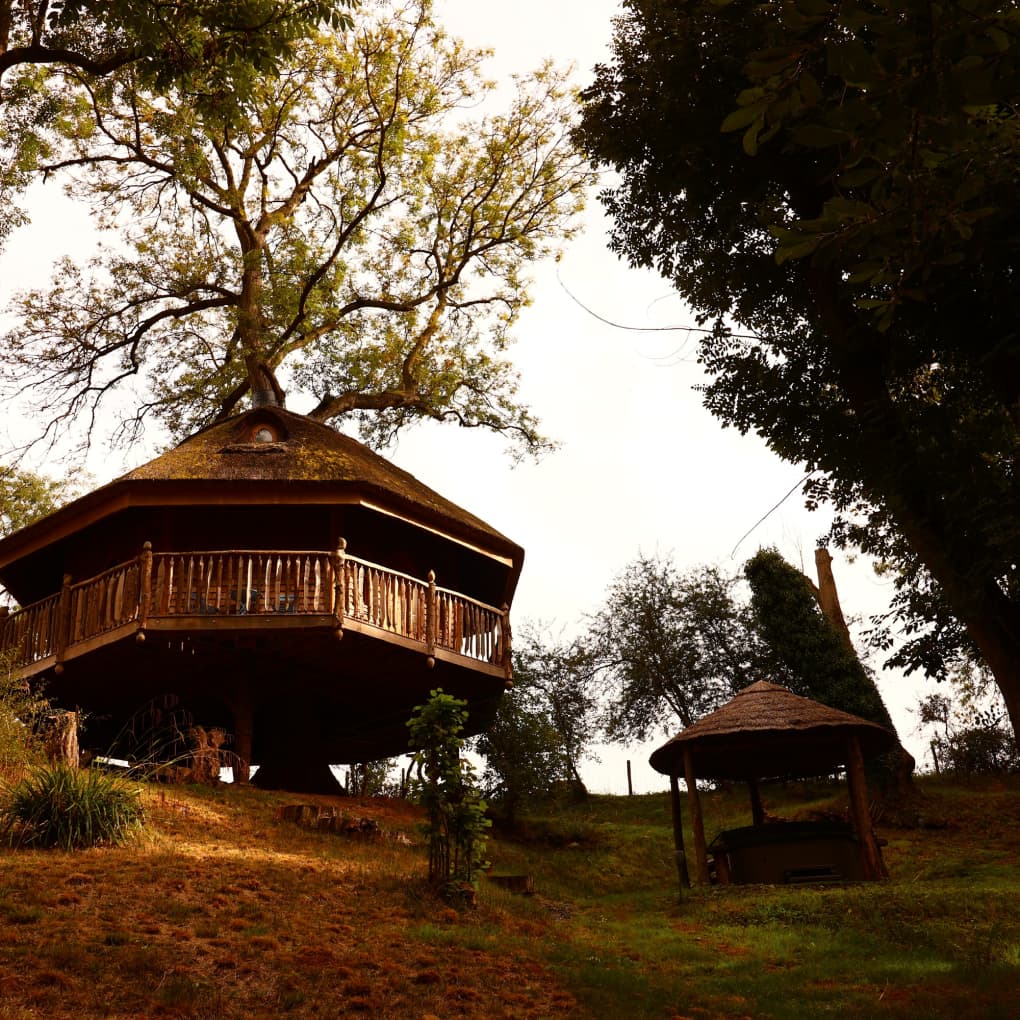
(455, 812)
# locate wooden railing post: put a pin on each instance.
(431, 613)
(145, 589)
(62, 635)
(507, 659)
(339, 582)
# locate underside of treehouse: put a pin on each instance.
(311, 656)
(305, 601)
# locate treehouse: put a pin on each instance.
(273, 577)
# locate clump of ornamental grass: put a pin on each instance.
(70, 808)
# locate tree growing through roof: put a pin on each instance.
(669, 647)
(348, 229)
(802, 649)
(832, 186)
(201, 48)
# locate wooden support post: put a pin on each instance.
(697, 824)
(678, 835)
(757, 811)
(506, 650)
(62, 636)
(630, 784)
(874, 866)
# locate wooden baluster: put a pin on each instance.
(63, 635)
(175, 583)
(190, 590)
(162, 588)
(118, 602)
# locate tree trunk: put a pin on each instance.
(828, 598)
(911, 496)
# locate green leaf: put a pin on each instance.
(866, 272)
(740, 118)
(750, 139)
(818, 136)
(858, 177)
(797, 251)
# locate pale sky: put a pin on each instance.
(642, 468)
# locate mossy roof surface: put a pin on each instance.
(303, 450)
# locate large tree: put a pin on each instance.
(169, 41)
(669, 646)
(204, 48)
(832, 186)
(350, 230)
(26, 496)
(545, 725)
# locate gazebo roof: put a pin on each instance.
(300, 456)
(767, 731)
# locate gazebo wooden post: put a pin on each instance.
(700, 847)
(757, 811)
(874, 866)
(678, 835)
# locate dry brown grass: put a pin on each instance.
(220, 910)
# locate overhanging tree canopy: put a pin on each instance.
(840, 180)
(348, 229)
(206, 49)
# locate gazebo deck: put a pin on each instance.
(255, 591)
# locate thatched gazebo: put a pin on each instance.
(768, 732)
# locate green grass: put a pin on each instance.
(940, 938)
(221, 909)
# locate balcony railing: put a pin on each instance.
(255, 583)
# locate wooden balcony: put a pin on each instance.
(255, 591)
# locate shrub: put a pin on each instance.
(70, 808)
(21, 713)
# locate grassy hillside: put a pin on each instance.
(222, 910)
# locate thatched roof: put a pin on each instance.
(767, 731)
(305, 451)
(299, 455)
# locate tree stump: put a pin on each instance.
(60, 738)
